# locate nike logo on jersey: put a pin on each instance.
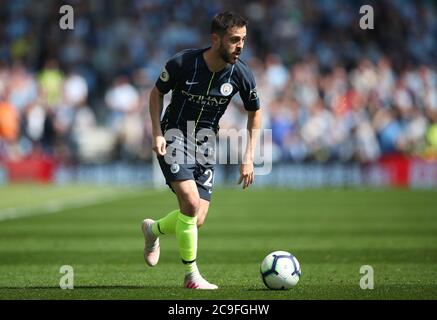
(190, 83)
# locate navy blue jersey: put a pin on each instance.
(202, 96)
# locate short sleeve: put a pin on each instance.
(169, 75)
(248, 92)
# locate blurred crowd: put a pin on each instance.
(330, 91)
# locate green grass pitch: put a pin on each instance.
(332, 232)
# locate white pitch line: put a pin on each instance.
(55, 206)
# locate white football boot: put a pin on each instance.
(151, 243)
(196, 281)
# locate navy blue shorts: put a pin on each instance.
(201, 172)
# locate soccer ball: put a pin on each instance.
(280, 270)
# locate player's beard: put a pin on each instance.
(226, 56)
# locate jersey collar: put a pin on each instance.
(228, 65)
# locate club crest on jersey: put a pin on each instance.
(174, 168)
(226, 89)
(164, 76)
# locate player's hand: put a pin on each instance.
(159, 144)
(246, 174)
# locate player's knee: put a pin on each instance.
(190, 205)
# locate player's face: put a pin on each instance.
(231, 44)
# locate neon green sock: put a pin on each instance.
(186, 234)
(166, 225)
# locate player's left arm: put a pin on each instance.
(253, 131)
(249, 96)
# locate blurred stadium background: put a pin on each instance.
(347, 108)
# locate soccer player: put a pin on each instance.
(202, 81)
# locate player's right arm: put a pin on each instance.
(167, 81)
(156, 105)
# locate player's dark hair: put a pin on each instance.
(224, 20)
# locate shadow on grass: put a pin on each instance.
(259, 290)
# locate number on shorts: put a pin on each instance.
(209, 180)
